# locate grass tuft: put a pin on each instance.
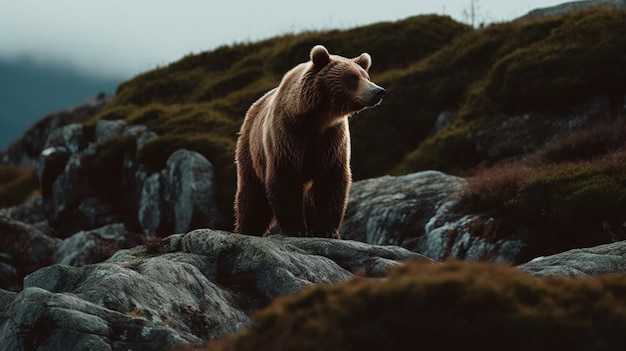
(447, 306)
(16, 184)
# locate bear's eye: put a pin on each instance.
(352, 80)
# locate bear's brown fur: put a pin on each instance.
(293, 151)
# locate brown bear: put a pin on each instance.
(293, 150)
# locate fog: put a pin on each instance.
(116, 38)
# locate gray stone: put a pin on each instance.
(23, 249)
(179, 198)
(607, 258)
(422, 212)
(96, 245)
(70, 137)
(58, 321)
(190, 191)
(390, 210)
(150, 204)
(186, 289)
(107, 130)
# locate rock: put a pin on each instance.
(67, 203)
(179, 198)
(107, 130)
(190, 192)
(78, 195)
(522, 134)
(572, 6)
(5, 298)
(26, 151)
(422, 212)
(186, 289)
(607, 258)
(66, 322)
(29, 212)
(71, 138)
(443, 119)
(96, 245)
(394, 210)
(23, 249)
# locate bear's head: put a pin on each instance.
(344, 82)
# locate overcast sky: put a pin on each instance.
(122, 38)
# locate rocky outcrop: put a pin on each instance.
(23, 249)
(185, 289)
(573, 6)
(525, 133)
(585, 262)
(87, 183)
(96, 245)
(422, 212)
(180, 197)
(26, 150)
(190, 289)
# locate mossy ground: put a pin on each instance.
(449, 306)
(16, 184)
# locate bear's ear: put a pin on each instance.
(320, 56)
(364, 60)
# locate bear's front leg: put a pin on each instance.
(285, 195)
(330, 197)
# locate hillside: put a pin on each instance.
(430, 66)
(544, 93)
(504, 145)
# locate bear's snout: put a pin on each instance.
(373, 96)
(379, 92)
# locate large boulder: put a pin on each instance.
(23, 249)
(423, 213)
(96, 245)
(584, 262)
(179, 198)
(185, 289)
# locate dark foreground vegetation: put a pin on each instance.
(451, 306)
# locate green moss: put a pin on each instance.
(576, 196)
(449, 306)
(234, 81)
(451, 150)
(16, 184)
(110, 155)
(581, 57)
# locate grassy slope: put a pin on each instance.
(428, 64)
(199, 102)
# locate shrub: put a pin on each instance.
(580, 195)
(16, 184)
(449, 306)
(581, 57)
(587, 142)
(494, 189)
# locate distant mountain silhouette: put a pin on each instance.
(30, 90)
